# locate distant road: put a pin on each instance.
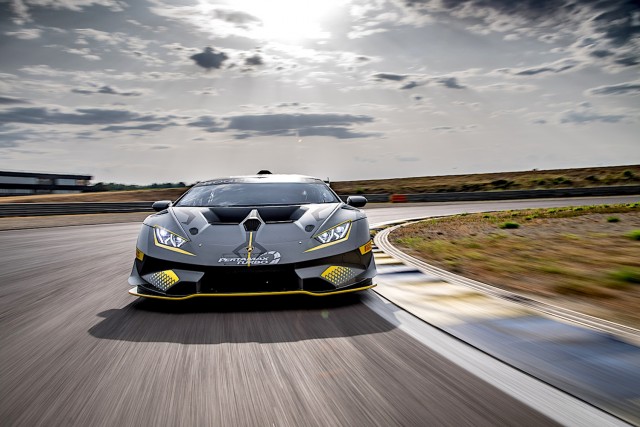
(76, 349)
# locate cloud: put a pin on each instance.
(208, 123)
(86, 53)
(239, 18)
(10, 100)
(215, 20)
(209, 58)
(210, 91)
(145, 126)
(10, 136)
(277, 122)
(83, 76)
(507, 87)
(584, 114)
(450, 82)
(78, 116)
(627, 61)
(131, 46)
(254, 60)
(548, 68)
(452, 129)
(286, 124)
(389, 76)
(25, 33)
(627, 88)
(594, 30)
(106, 90)
(409, 85)
(21, 8)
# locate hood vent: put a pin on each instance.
(253, 221)
(267, 214)
(252, 224)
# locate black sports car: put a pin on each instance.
(254, 235)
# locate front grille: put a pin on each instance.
(249, 279)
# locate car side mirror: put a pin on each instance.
(161, 205)
(356, 201)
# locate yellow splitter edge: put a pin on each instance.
(134, 291)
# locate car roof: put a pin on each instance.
(263, 178)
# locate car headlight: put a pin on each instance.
(338, 232)
(167, 238)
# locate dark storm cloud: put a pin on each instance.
(106, 90)
(390, 76)
(79, 116)
(628, 88)
(9, 100)
(209, 58)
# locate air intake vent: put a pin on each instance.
(252, 224)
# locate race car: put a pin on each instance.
(264, 234)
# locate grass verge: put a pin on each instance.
(574, 256)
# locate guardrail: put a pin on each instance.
(621, 190)
(74, 208)
(40, 209)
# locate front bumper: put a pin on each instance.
(337, 274)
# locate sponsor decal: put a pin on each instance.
(265, 258)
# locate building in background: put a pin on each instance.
(23, 183)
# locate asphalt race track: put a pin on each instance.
(76, 349)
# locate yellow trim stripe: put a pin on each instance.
(133, 292)
(324, 245)
(139, 254)
(249, 249)
(170, 248)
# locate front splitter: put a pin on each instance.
(135, 292)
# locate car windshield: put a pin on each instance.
(258, 194)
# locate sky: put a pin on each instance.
(144, 91)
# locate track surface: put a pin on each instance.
(76, 349)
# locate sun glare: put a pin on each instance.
(289, 20)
